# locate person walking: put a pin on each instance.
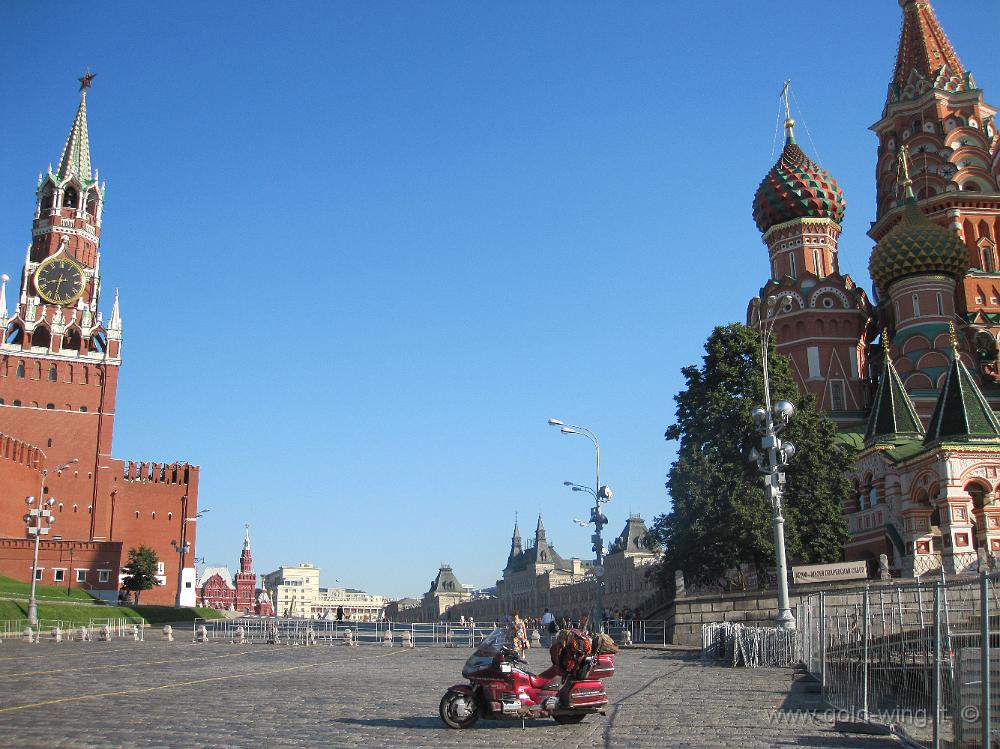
(548, 626)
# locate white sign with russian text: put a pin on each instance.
(819, 573)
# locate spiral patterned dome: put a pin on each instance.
(914, 246)
(796, 187)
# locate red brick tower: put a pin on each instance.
(59, 365)
(246, 578)
(935, 111)
(823, 316)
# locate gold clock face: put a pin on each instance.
(59, 280)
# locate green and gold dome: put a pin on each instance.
(796, 187)
(916, 246)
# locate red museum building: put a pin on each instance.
(59, 365)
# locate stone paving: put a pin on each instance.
(181, 694)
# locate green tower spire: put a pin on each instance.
(962, 413)
(75, 159)
(893, 415)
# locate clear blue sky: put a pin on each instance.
(365, 250)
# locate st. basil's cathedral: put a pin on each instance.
(910, 375)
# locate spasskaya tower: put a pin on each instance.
(59, 365)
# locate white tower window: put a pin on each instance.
(940, 303)
(792, 271)
(812, 358)
(916, 305)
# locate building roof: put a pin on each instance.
(75, 158)
(962, 413)
(892, 415)
(795, 188)
(916, 246)
(633, 538)
(446, 582)
(223, 572)
(925, 59)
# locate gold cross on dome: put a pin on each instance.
(953, 337)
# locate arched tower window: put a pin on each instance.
(71, 198)
(15, 334)
(20, 370)
(53, 373)
(99, 343)
(72, 340)
(940, 303)
(47, 195)
(41, 337)
(792, 270)
(818, 263)
(92, 202)
(916, 306)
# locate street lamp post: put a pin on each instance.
(33, 518)
(183, 548)
(601, 494)
(773, 456)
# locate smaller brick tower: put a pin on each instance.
(246, 578)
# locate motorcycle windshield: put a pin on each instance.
(489, 648)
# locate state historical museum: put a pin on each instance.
(58, 378)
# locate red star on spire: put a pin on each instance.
(87, 80)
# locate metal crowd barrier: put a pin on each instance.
(325, 631)
(919, 659)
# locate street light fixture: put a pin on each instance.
(33, 518)
(601, 495)
(774, 454)
(183, 548)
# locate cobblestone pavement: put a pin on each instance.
(181, 694)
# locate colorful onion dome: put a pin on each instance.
(916, 245)
(796, 187)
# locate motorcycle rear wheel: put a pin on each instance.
(569, 719)
(447, 711)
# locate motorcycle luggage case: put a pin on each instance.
(604, 666)
(587, 695)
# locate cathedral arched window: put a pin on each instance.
(71, 198)
(978, 494)
(940, 303)
(792, 270)
(916, 305)
(91, 203)
(53, 373)
(20, 370)
(872, 497)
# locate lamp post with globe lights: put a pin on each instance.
(601, 494)
(34, 519)
(773, 456)
(182, 549)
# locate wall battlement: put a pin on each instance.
(17, 451)
(158, 473)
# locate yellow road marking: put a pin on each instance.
(176, 685)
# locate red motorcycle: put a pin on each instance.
(502, 688)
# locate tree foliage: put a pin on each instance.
(721, 516)
(140, 571)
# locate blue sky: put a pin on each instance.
(365, 250)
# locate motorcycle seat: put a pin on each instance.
(545, 678)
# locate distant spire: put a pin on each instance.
(246, 536)
(3, 298)
(539, 531)
(115, 323)
(925, 58)
(789, 122)
(75, 159)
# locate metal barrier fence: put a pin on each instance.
(117, 627)
(256, 629)
(752, 647)
(915, 658)
(325, 631)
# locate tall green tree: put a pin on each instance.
(140, 571)
(721, 516)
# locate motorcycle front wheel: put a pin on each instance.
(569, 719)
(458, 710)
